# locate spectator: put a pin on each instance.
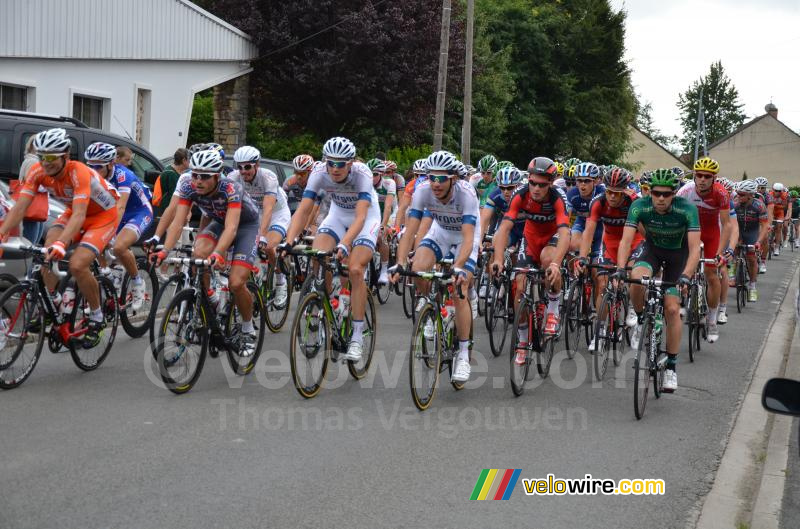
(169, 178)
(124, 156)
(31, 229)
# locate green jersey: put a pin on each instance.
(386, 187)
(482, 188)
(665, 231)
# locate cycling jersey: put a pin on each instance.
(356, 186)
(750, 216)
(498, 205)
(462, 208)
(78, 184)
(542, 219)
(781, 201)
(386, 187)
(668, 230)
(612, 221)
(294, 192)
(708, 208)
(580, 206)
(264, 183)
(414, 184)
(399, 181)
(766, 198)
(482, 188)
(126, 183)
(229, 194)
(796, 208)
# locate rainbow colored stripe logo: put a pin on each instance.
(496, 484)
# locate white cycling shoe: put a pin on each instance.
(461, 371)
(354, 351)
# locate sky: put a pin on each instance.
(672, 43)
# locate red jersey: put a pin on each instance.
(613, 221)
(542, 219)
(708, 205)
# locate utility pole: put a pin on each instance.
(466, 128)
(700, 130)
(441, 85)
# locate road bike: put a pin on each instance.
(697, 306)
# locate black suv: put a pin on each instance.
(16, 127)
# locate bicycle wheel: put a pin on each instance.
(408, 297)
(359, 369)
(165, 293)
(497, 318)
(383, 291)
(693, 317)
(275, 314)
(425, 357)
(621, 339)
(233, 327)
(310, 345)
(182, 342)
(19, 312)
(483, 282)
(641, 372)
(7, 281)
(137, 322)
(572, 319)
(544, 357)
(90, 359)
(452, 339)
(603, 330)
(521, 366)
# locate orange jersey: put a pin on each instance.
(78, 184)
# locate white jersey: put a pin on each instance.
(357, 186)
(265, 183)
(462, 208)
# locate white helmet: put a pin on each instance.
(246, 154)
(52, 140)
(746, 186)
(761, 182)
(302, 162)
(560, 182)
(339, 148)
(777, 186)
(206, 162)
(100, 152)
(442, 161)
(419, 166)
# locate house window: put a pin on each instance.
(13, 97)
(89, 110)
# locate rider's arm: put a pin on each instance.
(770, 213)
(727, 227)
(266, 213)
(167, 216)
(562, 221)
(693, 238)
(403, 248)
(624, 251)
(588, 236)
(180, 211)
(468, 235)
(232, 217)
(486, 217)
(733, 240)
(387, 209)
(424, 226)
(400, 218)
(299, 219)
(122, 203)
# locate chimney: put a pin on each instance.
(772, 110)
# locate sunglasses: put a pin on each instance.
(202, 176)
(539, 184)
(246, 167)
(662, 194)
(614, 193)
(704, 176)
(585, 181)
(439, 178)
(49, 158)
(336, 164)
(507, 188)
(96, 166)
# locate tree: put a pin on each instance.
(645, 123)
(722, 110)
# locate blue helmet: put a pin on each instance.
(507, 176)
(587, 170)
(100, 152)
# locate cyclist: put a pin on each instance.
(766, 198)
(644, 184)
(484, 182)
(671, 227)
(135, 212)
(610, 211)
(794, 197)
(391, 173)
(546, 237)
(270, 199)
(726, 270)
(419, 169)
(713, 206)
(753, 220)
(217, 147)
(579, 199)
(387, 196)
(351, 225)
(90, 220)
(296, 184)
(233, 224)
(781, 211)
(454, 208)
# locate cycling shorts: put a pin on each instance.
(673, 261)
(138, 222)
(338, 221)
(609, 258)
(533, 249)
(710, 246)
(96, 232)
(447, 244)
(243, 246)
(749, 236)
(280, 221)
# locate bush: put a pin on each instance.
(201, 126)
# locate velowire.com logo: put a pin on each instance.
(496, 484)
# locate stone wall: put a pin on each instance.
(230, 113)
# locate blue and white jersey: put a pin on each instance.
(462, 208)
(264, 183)
(357, 186)
(229, 194)
(125, 181)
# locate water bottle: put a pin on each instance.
(117, 275)
(448, 314)
(224, 294)
(344, 301)
(68, 300)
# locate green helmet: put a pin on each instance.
(794, 194)
(663, 178)
(571, 163)
(487, 163)
(504, 163)
(376, 165)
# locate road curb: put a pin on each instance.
(729, 503)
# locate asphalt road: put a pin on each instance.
(111, 449)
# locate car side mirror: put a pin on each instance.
(151, 176)
(782, 395)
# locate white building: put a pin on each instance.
(131, 67)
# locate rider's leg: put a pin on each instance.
(80, 269)
(49, 278)
(357, 264)
(424, 260)
(125, 239)
(713, 294)
(673, 322)
(637, 291)
(237, 284)
(203, 247)
(326, 243)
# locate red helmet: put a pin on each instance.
(543, 166)
(617, 177)
(302, 162)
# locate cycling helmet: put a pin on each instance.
(471, 170)
(586, 170)
(461, 169)
(100, 152)
(390, 166)
(644, 180)
(216, 147)
(543, 166)
(246, 154)
(487, 163)
(317, 165)
(339, 148)
(442, 161)
(504, 163)
(52, 140)
(728, 185)
(707, 165)
(560, 182)
(419, 166)
(561, 168)
(507, 176)
(302, 162)
(663, 178)
(777, 186)
(197, 147)
(761, 182)
(571, 162)
(208, 161)
(746, 186)
(617, 177)
(794, 194)
(376, 165)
